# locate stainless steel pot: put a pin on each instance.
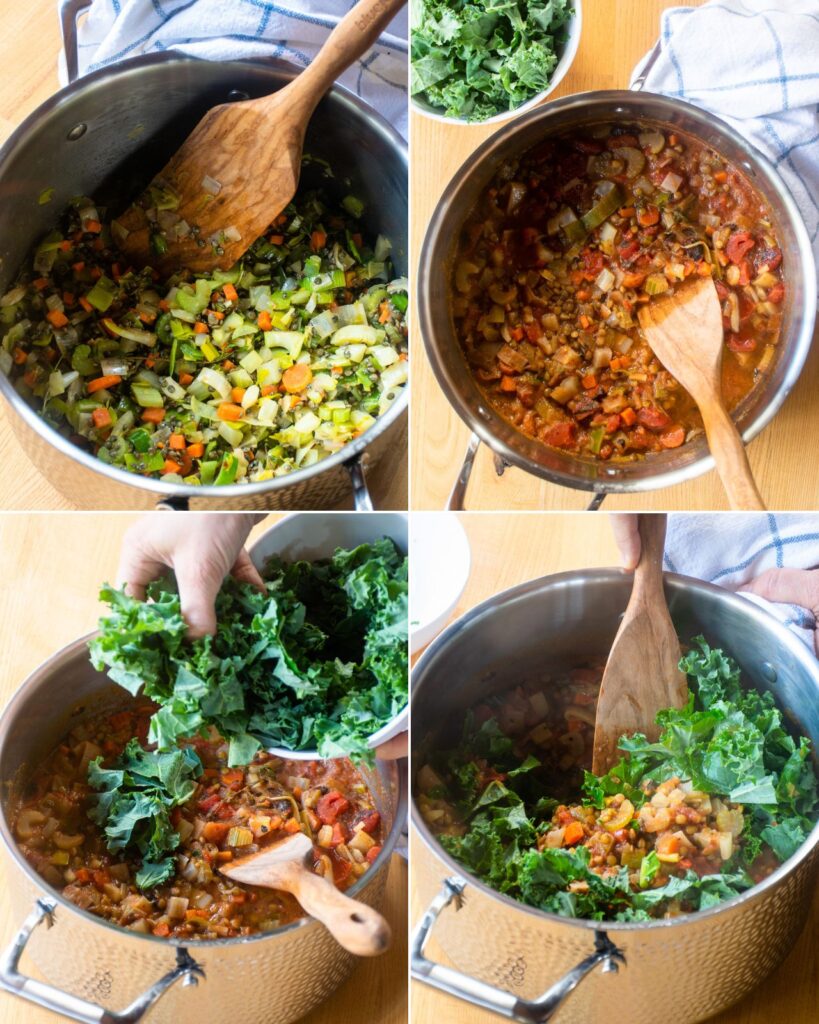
(511, 447)
(105, 135)
(523, 963)
(92, 965)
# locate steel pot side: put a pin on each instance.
(507, 955)
(437, 255)
(300, 962)
(105, 135)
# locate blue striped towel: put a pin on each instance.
(231, 29)
(754, 63)
(731, 549)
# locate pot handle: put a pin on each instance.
(489, 997)
(70, 10)
(361, 492)
(173, 504)
(73, 1007)
(457, 495)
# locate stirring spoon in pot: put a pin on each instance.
(240, 166)
(684, 330)
(642, 673)
(285, 865)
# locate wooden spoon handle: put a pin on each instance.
(648, 576)
(731, 458)
(352, 36)
(355, 926)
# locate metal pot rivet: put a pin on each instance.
(768, 672)
(77, 131)
(238, 94)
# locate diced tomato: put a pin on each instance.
(209, 803)
(739, 245)
(613, 423)
(341, 870)
(534, 331)
(777, 293)
(330, 806)
(672, 438)
(564, 816)
(766, 256)
(372, 853)
(101, 878)
(653, 418)
(739, 344)
(592, 262)
(629, 251)
(339, 835)
(722, 291)
(370, 821)
(559, 434)
(82, 876)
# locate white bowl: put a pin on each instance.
(440, 560)
(559, 73)
(311, 535)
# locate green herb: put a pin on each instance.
(476, 59)
(45, 196)
(319, 661)
(135, 798)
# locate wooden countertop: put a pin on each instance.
(507, 550)
(28, 52)
(614, 37)
(53, 567)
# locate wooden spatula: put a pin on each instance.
(642, 674)
(284, 865)
(240, 167)
(684, 330)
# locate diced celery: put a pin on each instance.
(251, 362)
(357, 333)
(209, 351)
(147, 396)
(102, 294)
(291, 341)
(394, 375)
(383, 356)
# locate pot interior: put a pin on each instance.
(438, 328)
(67, 690)
(108, 134)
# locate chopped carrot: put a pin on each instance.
(589, 381)
(668, 843)
(230, 293)
(721, 177)
(215, 831)
(19, 356)
(276, 239)
(222, 856)
(704, 269)
(517, 334)
(583, 295)
(164, 305)
(65, 245)
(573, 834)
(626, 211)
(217, 313)
(628, 416)
(633, 279)
(648, 215)
(318, 240)
(281, 219)
(96, 273)
(229, 411)
(150, 361)
(177, 442)
(78, 267)
(101, 417)
(30, 378)
(237, 394)
(291, 826)
(170, 467)
(196, 451)
(584, 321)
(185, 379)
(673, 140)
(228, 365)
(385, 312)
(153, 415)
(162, 929)
(69, 298)
(40, 283)
(106, 381)
(297, 377)
(264, 321)
(200, 328)
(93, 226)
(268, 389)
(508, 384)
(672, 438)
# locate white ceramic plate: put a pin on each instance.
(440, 560)
(562, 66)
(312, 535)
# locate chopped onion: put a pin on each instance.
(167, 219)
(115, 364)
(215, 380)
(605, 280)
(54, 302)
(13, 296)
(671, 182)
(182, 229)
(560, 220)
(232, 233)
(172, 388)
(211, 185)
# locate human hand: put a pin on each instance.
(627, 537)
(201, 548)
(789, 586)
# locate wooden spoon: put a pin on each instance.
(642, 673)
(250, 152)
(284, 865)
(684, 329)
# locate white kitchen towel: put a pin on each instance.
(730, 549)
(754, 63)
(231, 29)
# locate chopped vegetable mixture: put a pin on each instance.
(243, 376)
(317, 662)
(137, 837)
(565, 245)
(472, 60)
(711, 808)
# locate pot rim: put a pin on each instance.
(440, 226)
(528, 588)
(353, 450)
(12, 850)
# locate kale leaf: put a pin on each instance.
(318, 661)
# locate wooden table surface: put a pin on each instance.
(614, 37)
(28, 54)
(507, 550)
(52, 569)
